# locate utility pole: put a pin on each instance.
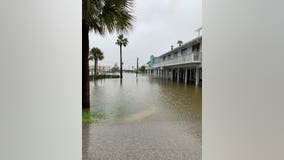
(137, 67)
(198, 31)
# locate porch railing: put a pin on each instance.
(194, 57)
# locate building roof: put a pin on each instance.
(179, 47)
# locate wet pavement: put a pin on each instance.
(148, 119)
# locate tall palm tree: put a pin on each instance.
(101, 16)
(96, 55)
(179, 42)
(121, 41)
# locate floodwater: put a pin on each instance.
(147, 118)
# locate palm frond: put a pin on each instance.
(108, 15)
(96, 54)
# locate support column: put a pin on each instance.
(178, 75)
(172, 74)
(185, 78)
(167, 74)
(157, 72)
(197, 76)
(190, 78)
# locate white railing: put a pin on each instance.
(194, 57)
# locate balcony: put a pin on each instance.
(195, 57)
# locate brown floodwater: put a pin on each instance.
(144, 104)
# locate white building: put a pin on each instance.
(181, 64)
(100, 69)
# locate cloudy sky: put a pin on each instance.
(159, 24)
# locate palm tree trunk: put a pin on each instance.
(85, 66)
(96, 66)
(120, 61)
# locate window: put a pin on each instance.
(195, 47)
(175, 54)
(183, 51)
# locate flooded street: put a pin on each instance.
(147, 119)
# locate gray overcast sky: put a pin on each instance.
(159, 24)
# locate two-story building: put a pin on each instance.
(181, 64)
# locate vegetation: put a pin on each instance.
(121, 41)
(92, 117)
(179, 42)
(114, 69)
(142, 69)
(103, 76)
(95, 55)
(101, 16)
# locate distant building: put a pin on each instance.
(150, 64)
(100, 69)
(104, 68)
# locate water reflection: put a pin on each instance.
(122, 97)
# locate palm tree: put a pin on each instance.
(95, 55)
(179, 42)
(101, 16)
(121, 41)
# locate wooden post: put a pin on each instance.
(137, 67)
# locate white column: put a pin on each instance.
(197, 76)
(157, 73)
(185, 78)
(172, 74)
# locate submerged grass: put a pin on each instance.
(92, 117)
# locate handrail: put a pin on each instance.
(194, 57)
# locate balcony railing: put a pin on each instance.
(194, 57)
